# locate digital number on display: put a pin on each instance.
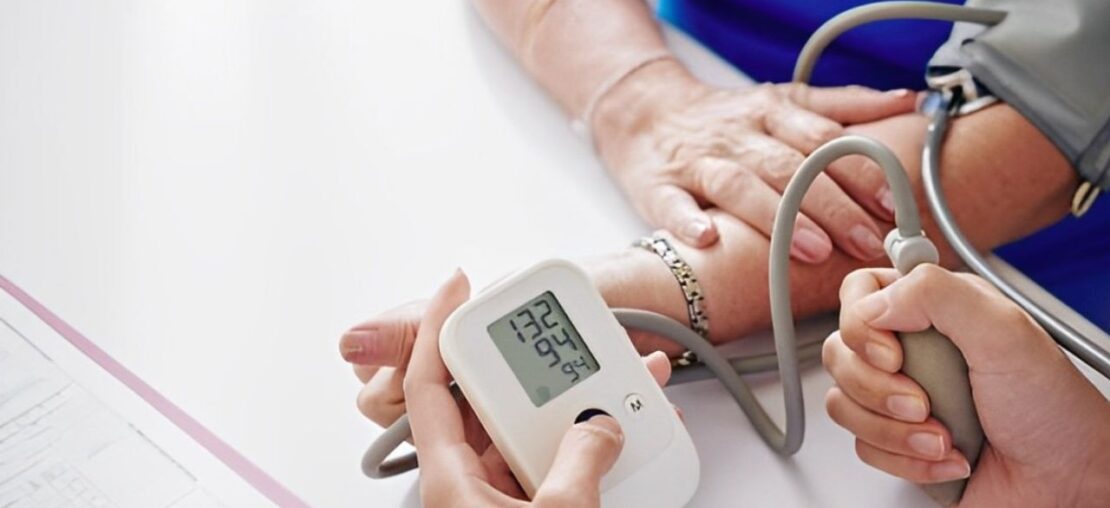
(543, 348)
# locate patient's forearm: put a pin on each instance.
(574, 47)
(1003, 179)
(733, 274)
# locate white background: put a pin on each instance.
(213, 191)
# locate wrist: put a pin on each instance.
(635, 279)
(635, 103)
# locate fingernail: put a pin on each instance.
(695, 231)
(886, 199)
(950, 470)
(866, 242)
(907, 408)
(899, 93)
(927, 444)
(355, 344)
(810, 246)
(871, 307)
(881, 356)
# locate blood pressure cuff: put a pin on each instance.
(1050, 60)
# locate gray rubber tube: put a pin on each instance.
(857, 16)
(782, 233)
(1082, 347)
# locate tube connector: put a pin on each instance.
(906, 252)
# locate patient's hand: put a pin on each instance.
(675, 144)
(1047, 428)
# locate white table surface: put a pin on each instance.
(213, 191)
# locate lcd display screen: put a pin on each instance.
(543, 348)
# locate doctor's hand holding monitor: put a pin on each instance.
(1047, 427)
(459, 462)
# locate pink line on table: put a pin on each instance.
(243, 467)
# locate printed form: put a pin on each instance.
(71, 435)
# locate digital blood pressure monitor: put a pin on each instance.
(540, 350)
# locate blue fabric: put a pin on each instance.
(763, 38)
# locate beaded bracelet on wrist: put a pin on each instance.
(687, 281)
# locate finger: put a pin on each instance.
(850, 104)
(587, 452)
(675, 210)
(385, 340)
(382, 399)
(928, 440)
(878, 346)
(865, 182)
(800, 128)
(746, 196)
(659, 366)
(364, 372)
(953, 467)
(991, 331)
(892, 395)
(859, 177)
(500, 476)
(849, 226)
(433, 413)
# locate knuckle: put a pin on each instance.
(405, 340)
(372, 404)
(891, 437)
(1011, 316)
(851, 382)
(867, 454)
(767, 91)
(828, 353)
(834, 405)
(871, 170)
(822, 132)
(798, 93)
(596, 437)
(779, 166)
(408, 385)
(854, 334)
(850, 281)
(722, 177)
(926, 278)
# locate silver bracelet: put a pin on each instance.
(684, 274)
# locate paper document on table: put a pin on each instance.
(60, 446)
(73, 435)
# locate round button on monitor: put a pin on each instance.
(634, 404)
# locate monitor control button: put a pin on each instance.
(634, 404)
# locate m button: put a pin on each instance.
(634, 404)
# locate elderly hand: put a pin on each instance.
(397, 356)
(1047, 427)
(675, 145)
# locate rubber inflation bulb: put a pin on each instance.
(934, 362)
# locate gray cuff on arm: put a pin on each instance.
(1048, 61)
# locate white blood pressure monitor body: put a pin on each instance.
(534, 351)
